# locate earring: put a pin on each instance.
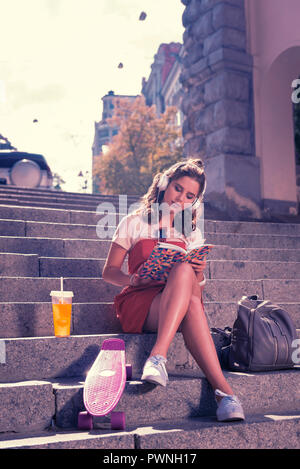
(163, 182)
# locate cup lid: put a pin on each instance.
(63, 294)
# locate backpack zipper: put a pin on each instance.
(285, 340)
(251, 334)
(274, 339)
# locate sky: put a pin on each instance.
(59, 57)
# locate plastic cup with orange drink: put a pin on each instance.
(62, 311)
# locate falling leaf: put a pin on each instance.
(143, 16)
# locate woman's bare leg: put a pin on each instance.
(180, 305)
(199, 342)
(167, 311)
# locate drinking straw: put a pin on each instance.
(61, 289)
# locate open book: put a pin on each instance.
(165, 255)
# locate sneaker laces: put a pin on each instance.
(229, 397)
(233, 399)
(159, 360)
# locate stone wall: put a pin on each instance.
(218, 103)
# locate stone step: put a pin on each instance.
(30, 265)
(15, 227)
(26, 406)
(56, 215)
(51, 439)
(39, 202)
(60, 195)
(38, 289)
(215, 269)
(254, 240)
(23, 265)
(62, 198)
(31, 405)
(36, 229)
(57, 247)
(48, 229)
(12, 228)
(59, 230)
(91, 290)
(255, 228)
(67, 357)
(39, 246)
(88, 248)
(253, 270)
(61, 203)
(262, 254)
(268, 431)
(10, 212)
(98, 249)
(222, 314)
(191, 396)
(35, 319)
(45, 198)
(71, 267)
(17, 191)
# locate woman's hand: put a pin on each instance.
(199, 267)
(136, 280)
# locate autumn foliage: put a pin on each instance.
(145, 144)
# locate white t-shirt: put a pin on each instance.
(132, 228)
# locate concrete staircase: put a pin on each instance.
(45, 235)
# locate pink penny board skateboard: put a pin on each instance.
(104, 385)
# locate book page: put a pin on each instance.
(171, 246)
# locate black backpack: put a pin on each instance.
(261, 338)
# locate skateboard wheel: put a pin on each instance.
(128, 372)
(117, 420)
(85, 421)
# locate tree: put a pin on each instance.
(57, 182)
(5, 144)
(145, 144)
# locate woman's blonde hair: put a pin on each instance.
(193, 168)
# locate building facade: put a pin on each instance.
(241, 58)
(163, 87)
(104, 132)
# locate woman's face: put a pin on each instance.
(181, 192)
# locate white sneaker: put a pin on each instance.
(155, 371)
(229, 408)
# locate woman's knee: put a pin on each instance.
(184, 270)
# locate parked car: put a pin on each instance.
(24, 169)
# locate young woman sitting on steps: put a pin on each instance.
(177, 304)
